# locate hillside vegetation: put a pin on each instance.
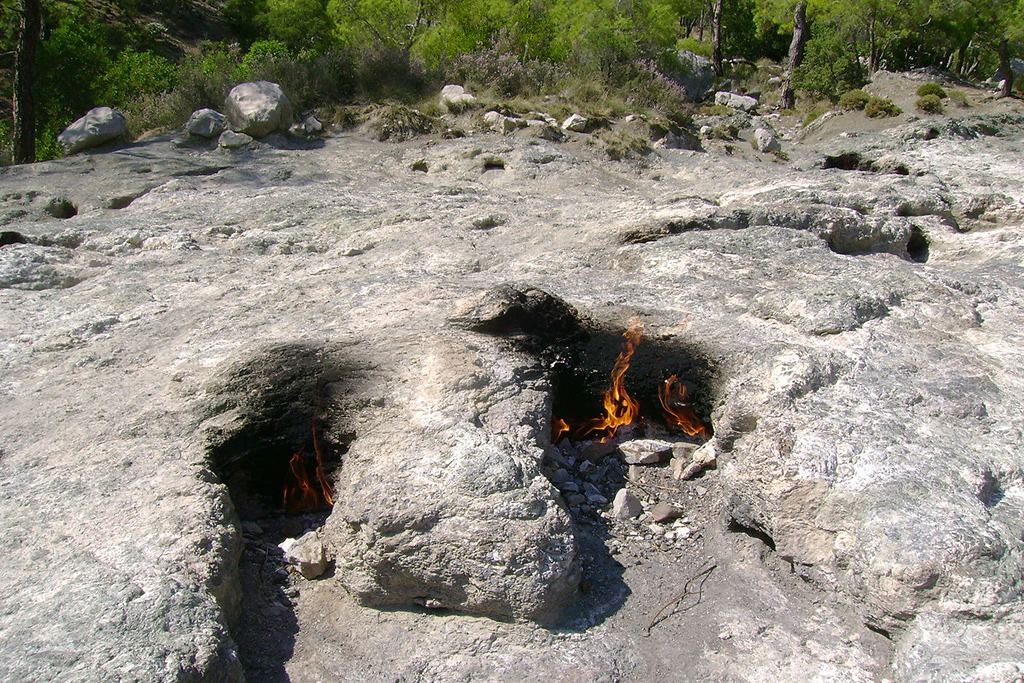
(159, 60)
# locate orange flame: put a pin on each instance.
(301, 494)
(676, 403)
(619, 407)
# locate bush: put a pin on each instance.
(960, 97)
(880, 108)
(829, 68)
(930, 104)
(854, 99)
(815, 113)
(931, 89)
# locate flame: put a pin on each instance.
(559, 428)
(619, 407)
(301, 495)
(676, 403)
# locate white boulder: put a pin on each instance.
(576, 123)
(455, 98)
(258, 109)
(99, 126)
(734, 101)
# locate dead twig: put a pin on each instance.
(703, 575)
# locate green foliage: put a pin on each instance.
(854, 99)
(880, 108)
(133, 74)
(829, 68)
(930, 104)
(960, 97)
(815, 113)
(931, 89)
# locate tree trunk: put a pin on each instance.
(29, 25)
(1005, 67)
(716, 37)
(873, 43)
(796, 53)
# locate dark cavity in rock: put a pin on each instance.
(62, 208)
(918, 246)
(12, 237)
(272, 428)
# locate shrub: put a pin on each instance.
(960, 97)
(930, 104)
(829, 68)
(815, 113)
(881, 107)
(854, 99)
(931, 89)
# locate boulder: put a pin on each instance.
(697, 76)
(206, 123)
(735, 101)
(576, 123)
(765, 140)
(98, 127)
(258, 109)
(1016, 65)
(454, 98)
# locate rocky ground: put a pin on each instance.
(178, 322)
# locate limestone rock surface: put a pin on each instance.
(851, 334)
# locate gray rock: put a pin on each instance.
(206, 123)
(626, 505)
(503, 124)
(100, 126)
(308, 127)
(576, 123)
(1016, 65)
(665, 512)
(766, 140)
(698, 75)
(735, 101)
(258, 109)
(679, 141)
(229, 139)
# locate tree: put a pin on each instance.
(29, 27)
(716, 37)
(796, 53)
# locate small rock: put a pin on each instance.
(576, 123)
(229, 139)
(308, 127)
(575, 499)
(594, 450)
(664, 512)
(560, 477)
(251, 528)
(645, 451)
(308, 553)
(626, 505)
(206, 123)
(587, 466)
(702, 458)
(571, 486)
